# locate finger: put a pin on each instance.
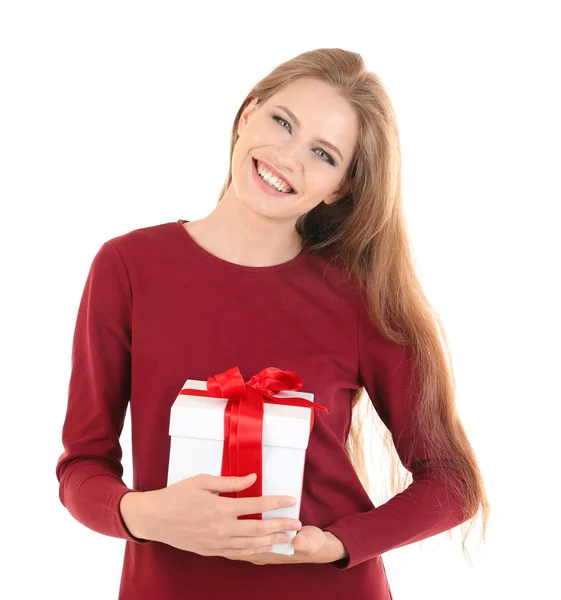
(260, 504)
(241, 552)
(260, 527)
(260, 541)
(219, 483)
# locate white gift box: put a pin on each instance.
(197, 441)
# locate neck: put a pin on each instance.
(236, 234)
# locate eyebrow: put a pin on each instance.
(324, 142)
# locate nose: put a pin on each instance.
(286, 157)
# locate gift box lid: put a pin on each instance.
(203, 417)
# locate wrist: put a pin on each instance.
(134, 514)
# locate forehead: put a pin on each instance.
(321, 111)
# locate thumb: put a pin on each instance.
(309, 540)
(300, 542)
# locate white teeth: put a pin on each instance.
(272, 180)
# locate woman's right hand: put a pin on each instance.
(189, 516)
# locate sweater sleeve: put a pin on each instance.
(426, 507)
(90, 471)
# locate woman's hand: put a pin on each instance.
(190, 515)
(311, 545)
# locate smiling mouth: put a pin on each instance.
(292, 190)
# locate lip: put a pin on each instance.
(268, 189)
(275, 172)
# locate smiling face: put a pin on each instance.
(309, 143)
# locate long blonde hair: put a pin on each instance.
(367, 231)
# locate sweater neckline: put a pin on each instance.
(293, 262)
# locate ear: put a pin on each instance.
(339, 193)
(246, 114)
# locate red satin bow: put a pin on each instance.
(243, 419)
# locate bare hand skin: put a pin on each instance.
(189, 516)
(311, 545)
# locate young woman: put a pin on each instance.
(303, 265)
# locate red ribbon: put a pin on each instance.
(243, 419)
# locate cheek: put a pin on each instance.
(258, 133)
(260, 137)
(318, 183)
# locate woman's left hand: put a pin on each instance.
(311, 545)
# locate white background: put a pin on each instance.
(117, 115)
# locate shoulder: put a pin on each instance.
(143, 251)
(148, 239)
(329, 269)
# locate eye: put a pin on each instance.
(328, 158)
(279, 119)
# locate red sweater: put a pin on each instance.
(158, 309)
